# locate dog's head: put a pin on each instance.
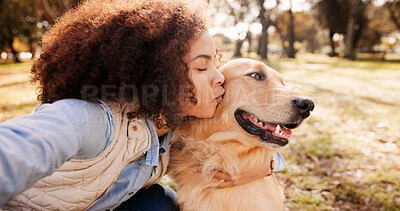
(260, 103)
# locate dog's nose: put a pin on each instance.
(304, 106)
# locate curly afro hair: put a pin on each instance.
(123, 51)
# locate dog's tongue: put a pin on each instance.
(279, 131)
(287, 132)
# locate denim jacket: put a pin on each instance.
(69, 129)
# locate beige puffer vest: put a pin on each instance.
(79, 183)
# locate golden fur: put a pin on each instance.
(221, 144)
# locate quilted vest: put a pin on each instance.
(80, 183)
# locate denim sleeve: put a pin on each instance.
(32, 146)
(279, 161)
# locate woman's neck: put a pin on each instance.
(164, 129)
(161, 131)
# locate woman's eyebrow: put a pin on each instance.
(202, 56)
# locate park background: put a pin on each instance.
(344, 54)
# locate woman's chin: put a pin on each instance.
(202, 112)
(206, 115)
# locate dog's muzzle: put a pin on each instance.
(268, 132)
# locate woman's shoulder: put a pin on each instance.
(77, 107)
(76, 103)
(91, 120)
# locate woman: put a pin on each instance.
(114, 78)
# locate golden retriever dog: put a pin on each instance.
(254, 119)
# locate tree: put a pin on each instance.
(305, 28)
(240, 14)
(266, 21)
(333, 15)
(379, 24)
(344, 17)
(355, 24)
(17, 19)
(393, 8)
(240, 10)
(291, 51)
(263, 40)
(54, 8)
(27, 20)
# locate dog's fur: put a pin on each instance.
(221, 144)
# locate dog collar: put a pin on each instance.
(272, 166)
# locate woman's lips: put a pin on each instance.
(219, 98)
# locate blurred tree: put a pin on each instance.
(291, 52)
(266, 19)
(17, 19)
(285, 26)
(52, 9)
(265, 23)
(240, 14)
(333, 15)
(379, 24)
(27, 20)
(343, 17)
(240, 11)
(355, 24)
(305, 28)
(394, 10)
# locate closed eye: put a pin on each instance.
(257, 76)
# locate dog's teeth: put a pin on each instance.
(278, 128)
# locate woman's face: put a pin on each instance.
(206, 78)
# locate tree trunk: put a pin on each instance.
(249, 40)
(291, 53)
(392, 13)
(263, 44)
(349, 48)
(263, 41)
(349, 51)
(333, 45)
(32, 47)
(239, 44)
(13, 51)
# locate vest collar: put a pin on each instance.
(157, 147)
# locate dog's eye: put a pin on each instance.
(257, 76)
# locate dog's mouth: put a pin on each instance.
(275, 133)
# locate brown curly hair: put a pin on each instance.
(119, 50)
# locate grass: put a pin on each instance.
(17, 95)
(345, 157)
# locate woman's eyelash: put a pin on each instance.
(202, 69)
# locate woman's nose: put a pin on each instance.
(218, 78)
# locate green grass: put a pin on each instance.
(346, 156)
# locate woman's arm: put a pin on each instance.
(32, 146)
(250, 174)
